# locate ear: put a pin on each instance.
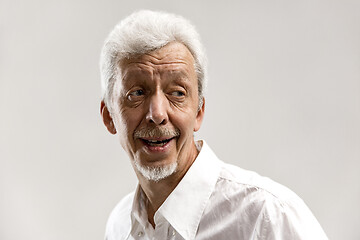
(199, 117)
(105, 114)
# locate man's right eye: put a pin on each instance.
(137, 93)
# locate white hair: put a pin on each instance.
(145, 31)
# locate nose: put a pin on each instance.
(157, 112)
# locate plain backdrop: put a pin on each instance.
(283, 99)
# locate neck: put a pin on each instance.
(157, 192)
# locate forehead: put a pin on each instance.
(173, 58)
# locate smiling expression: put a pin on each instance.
(155, 107)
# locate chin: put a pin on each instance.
(155, 173)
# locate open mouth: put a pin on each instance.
(157, 143)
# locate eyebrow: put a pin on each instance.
(180, 73)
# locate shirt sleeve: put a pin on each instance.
(284, 220)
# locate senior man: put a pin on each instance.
(153, 70)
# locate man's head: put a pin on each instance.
(143, 32)
(153, 72)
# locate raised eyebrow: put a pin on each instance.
(178, 75)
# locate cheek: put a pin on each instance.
(123, 128)
(128, 121)
(186, 124)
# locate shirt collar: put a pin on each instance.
(185, 205)
(138, 212)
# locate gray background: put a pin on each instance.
(283, 99)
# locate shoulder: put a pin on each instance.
(119, 222)
(271, 209)
(241, 178)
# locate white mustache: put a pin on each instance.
(156, 133)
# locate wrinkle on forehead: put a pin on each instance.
(173, 52)
(171, 57)
(168, 57)
(139, 70)
(158, 62)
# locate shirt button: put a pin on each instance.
(173, 232)
(140, 234)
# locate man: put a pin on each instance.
(153, 70)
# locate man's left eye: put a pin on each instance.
(178, 94)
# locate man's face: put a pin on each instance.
(155, 107)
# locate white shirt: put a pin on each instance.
(217, 201)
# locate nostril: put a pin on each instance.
(157, 121)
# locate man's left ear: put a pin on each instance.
(199, 116)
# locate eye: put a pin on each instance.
(178, 93)
(136, 95)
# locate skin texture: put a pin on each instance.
(157, 90)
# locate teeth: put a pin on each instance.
(156, 143)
